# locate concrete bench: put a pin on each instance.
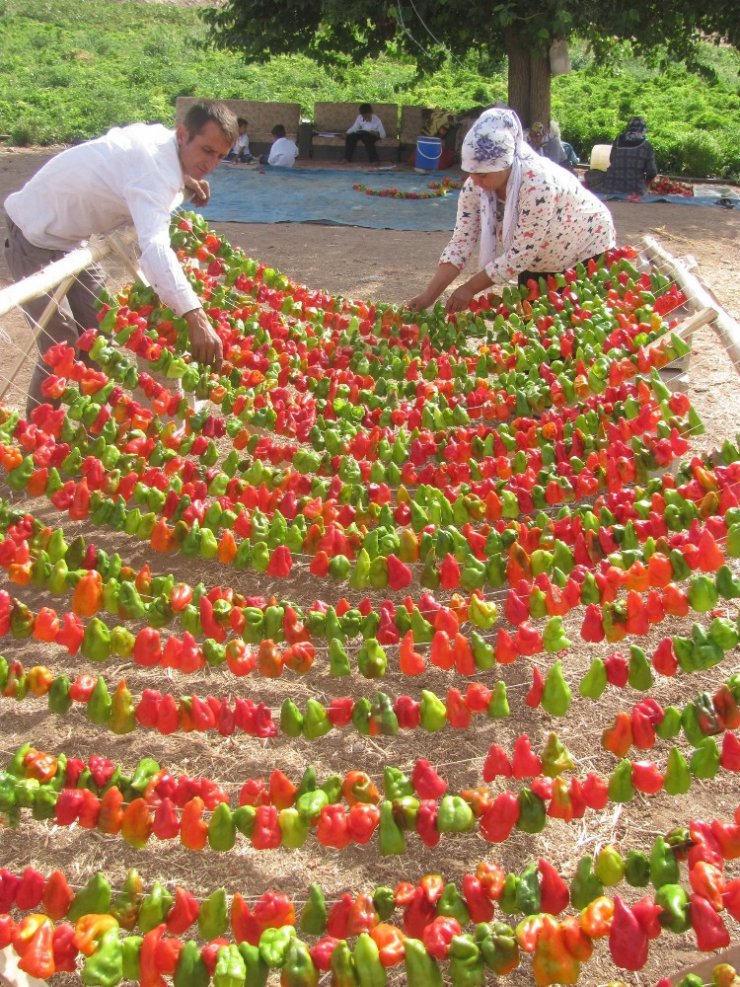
(261, 117)
(330, 122)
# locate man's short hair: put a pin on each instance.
(242, 122)
(211, 111)
(278, 130)
(365, 108)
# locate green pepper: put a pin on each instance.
(314, 914)
(508, 899)
(310, 804)
(44, 803)
(231, 970)
(455, 815)
(385, 902)
(421, 968)
(257, 971)
(640, 675)
(498, 706)
(432, 711)
(370, 971)
(609, 867)
(316, 722)
(528, 890)
(556, 758)
(100, 705)
(244, 819)
(677, 776)
(273, 945)
(58, 696)
(391, 839)
(372, 660)
(131, 965)
(594, 682)
(105, 966)
(532, 812)
(213, 919)
(637, 869)
(498, 945)
(556, 695)
(93, 899)
(674, 901)
(154, 908)
(585, 886)
(663, 864)
(338, 659)
(621, 788)
(291, 719)
(298, 969)
(452, 904)
(221, 828)
(294, 828)
(125, 906)
(143, 774)
(670, 725)
(466, 962)
(704, 761)
(395, 783)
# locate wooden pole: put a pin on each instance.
(726, 328)
(68, 266)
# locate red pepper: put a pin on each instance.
(362, 821)
(150, 976)
(727, 836)
(7, 928)
(408, 712)
(148, 648)
(664, 658)
(708, 880)
(730, 756)
(9, 884)
(426, 823)
(458, 713)
(65, 950)
(362, 916)
(440, 653)
(534, 696)
(183, 913)
(337, 921)
(499, 819)
(437, 936)
(274, 910)
(554, 892)
(524, 762)
(478, 902)
(57, 895)
(628, 941)
(33, 941)
(30, 890)
(707, 924)
(244, 925)
(647, 913)
(340, 712)
(647, 777)
(332, 829)
(321, 952)
(410, 662)
(419, 913)
(426, 781)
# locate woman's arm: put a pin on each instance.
(444, 275)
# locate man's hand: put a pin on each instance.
(200, 191)
(205, 344)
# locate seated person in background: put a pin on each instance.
(283, 152)
(570, 159)
(632, 164)
(546, 142)
(240, 148)
(368, 128)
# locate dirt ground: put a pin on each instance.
(391, 266)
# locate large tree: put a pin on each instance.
(334, 32)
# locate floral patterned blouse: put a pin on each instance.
(558, 223)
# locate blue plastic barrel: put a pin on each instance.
(428, 153)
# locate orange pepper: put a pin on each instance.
(33, 940)
(19, 573)
(89, 929)
(162, 538)
(269, 659)
(88, 594)
(193, 828)
(389, 940)
(110, 819)
(39, 765)
(136, 824)
(39, 680)
(227, 547)
(596, 917)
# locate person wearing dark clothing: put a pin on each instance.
(632, 164)
(368, 128)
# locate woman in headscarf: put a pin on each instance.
(538, 216)
(632, 163)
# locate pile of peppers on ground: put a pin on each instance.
(477, 492)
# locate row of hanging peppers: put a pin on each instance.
(146, 804)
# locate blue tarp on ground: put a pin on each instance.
(249, 194)
(245, 194)
(707, 197)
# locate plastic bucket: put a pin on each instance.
(600, 155)
(428, 153)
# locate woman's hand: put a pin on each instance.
(460, 298)
(421, 301)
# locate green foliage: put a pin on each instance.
(70, 71)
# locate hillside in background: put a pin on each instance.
(70, 71)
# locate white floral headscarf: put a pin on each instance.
(496, 142)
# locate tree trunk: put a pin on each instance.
(529, 80)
